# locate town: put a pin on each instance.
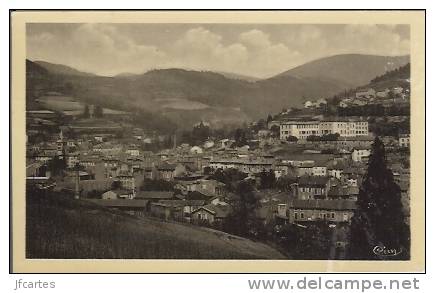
(285, 179)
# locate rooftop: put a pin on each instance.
(323, 204)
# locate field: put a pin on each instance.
(59, 227)
(68, 105)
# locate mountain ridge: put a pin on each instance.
(211, 94)
(342, 67)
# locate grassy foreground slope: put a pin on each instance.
(58, 227)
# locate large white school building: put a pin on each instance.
(303, 129)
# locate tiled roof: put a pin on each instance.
(220, 211)
(313, 181)
(155, 194)
(134, 203)
(323, 204)
(166, 167)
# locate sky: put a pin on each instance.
(261, 50)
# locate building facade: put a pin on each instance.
(304, 129)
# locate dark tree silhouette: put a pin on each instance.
(275, 130)
(242, 219)
(98, 111)
(379, 220)
(240, 137)
(86, 111)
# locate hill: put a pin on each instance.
(238, 76)
(158, 90)
(186, 96)
(393, 78)
(59, 227)
(350, 69)
(62, 69)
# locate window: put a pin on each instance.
(332, 215)
(302, 215)
(296, 216)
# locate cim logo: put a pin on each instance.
(384, 251)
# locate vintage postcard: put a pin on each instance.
(218, 141)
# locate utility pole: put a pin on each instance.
(77, 182)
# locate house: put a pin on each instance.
(319, 169)
(36, 169)
(127, 180)
(224, 163)
(133, 150)
(366, 93)
(404, 140)
(117, 194)
(343, 192)
(150, 173)
(208, 144)
(72, 159)
(166, 171)
(225, 143)
(188, 206)
(360, 154)
(359, 102)
(335, 169)
(155, 196)
(283, 169)
(210, 214)
(305, 168)
(311, 187)
(166, 211)
(205, 185)
(257, 165)
(340, 210)
(308, 104)
(196, 150)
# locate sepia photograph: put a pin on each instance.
(233, 139)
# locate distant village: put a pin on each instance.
(304, 165)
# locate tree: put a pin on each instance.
(267, 179)
(116, 185)
(229, 177)
(275, 130)
(379, 220)
(269, 118)
(313, 138)
(240, 137)
(200, 133)
(86, 111)
(98, 111)
(310, 242)
(261, 124)
(57, 165)
(292, 138)
(330, 137)
(287, 183)
(242, 220)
